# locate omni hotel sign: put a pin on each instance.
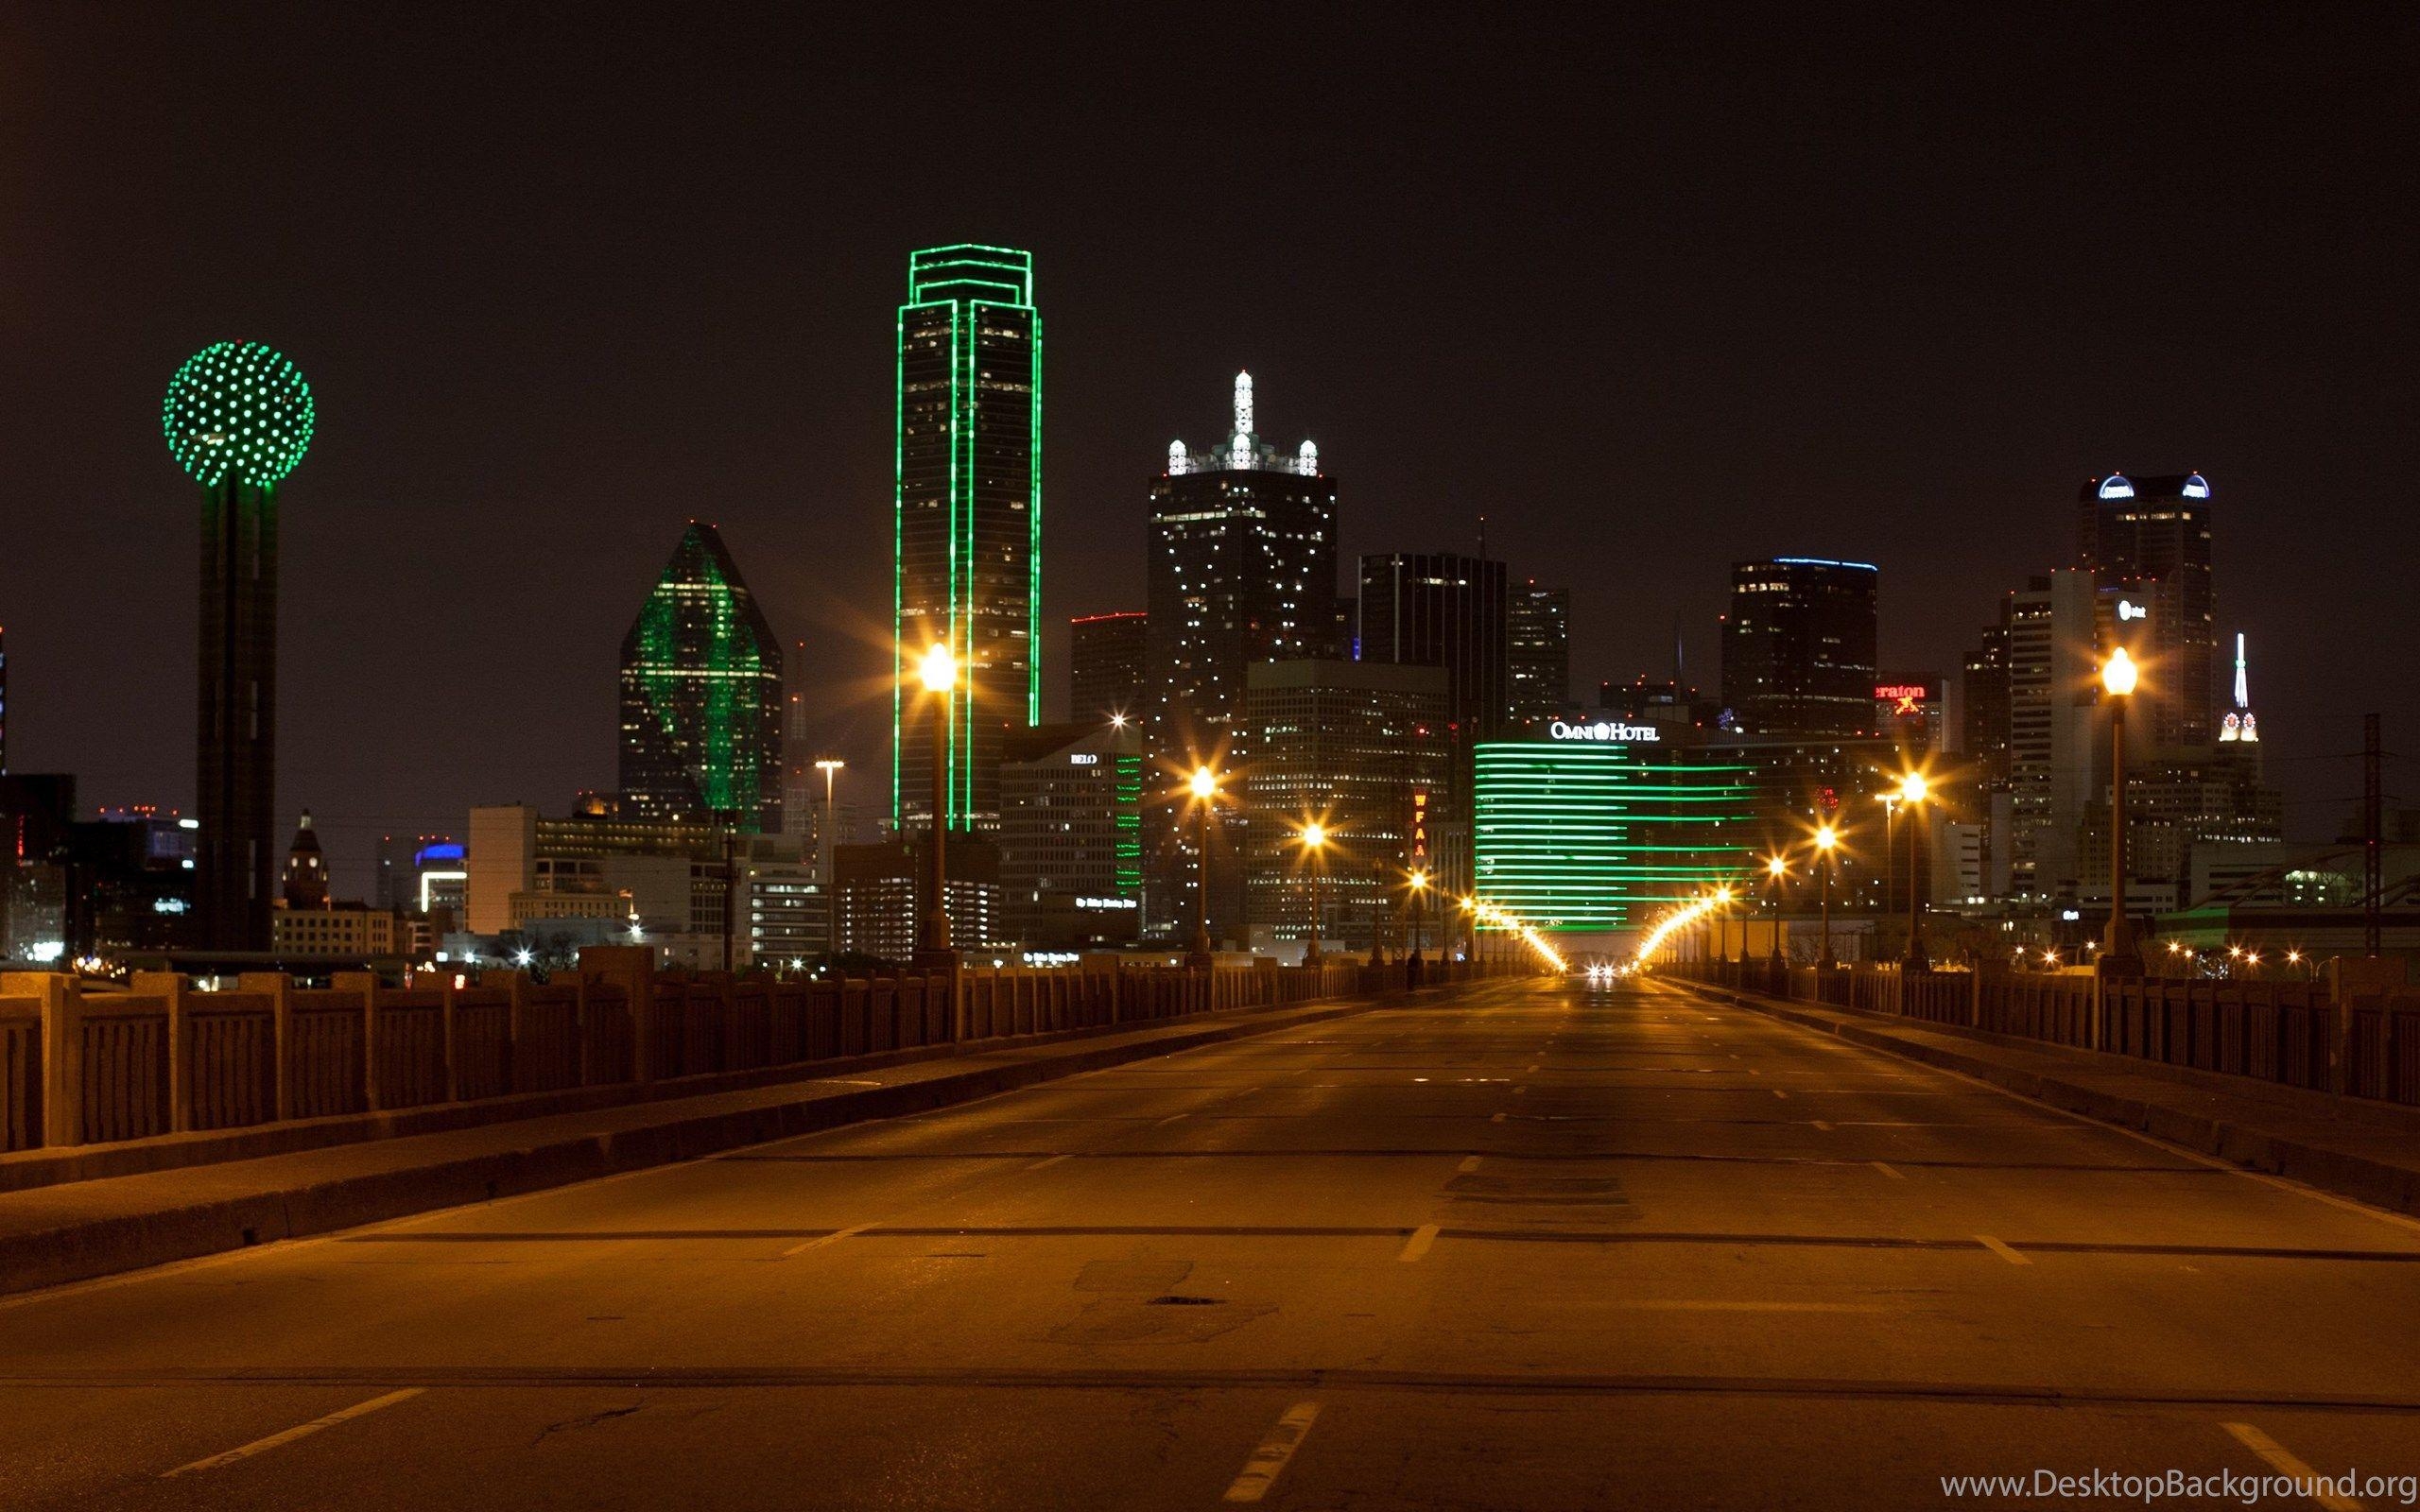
(1601, 730)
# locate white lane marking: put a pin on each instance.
(1470, 1163)
(1533, 1068)
(261, 1446)
(1170, 1119)
(1499, 1118)
(1520, 1092)
(1822, 1126)
(1783, 1095)
(1418, 1243)
(1261, 1470)
(2283, 1460)
(1890, 1170)
(803, 1246)
(1051, 1162)
(2002, 1250)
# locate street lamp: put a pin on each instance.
(1913, 791)
(941, 678)
(1204, 784)
(1419, 885)
(1721, 901)
(2118, 678)
(1825, 838)
(830, 767)
(1776, 872)
(1314, 837)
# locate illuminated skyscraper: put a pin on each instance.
(1353, 745)
(1589, 838)
(1105, 660)
(701, 695)
(2146, 540)
(237, 419)
(1242, 570)
(1441, 610)
(1798, 646)
(1537, 653)
(968, 547)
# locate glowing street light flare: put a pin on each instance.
(940, 668)
(2120, 675)
(1204, 782)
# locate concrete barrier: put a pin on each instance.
(86, 1066)
(2291, 1034)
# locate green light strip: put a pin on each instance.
(1586, 838)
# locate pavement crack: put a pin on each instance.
(586, 1420)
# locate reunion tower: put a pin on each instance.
(237, 419)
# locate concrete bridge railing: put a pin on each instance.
(2291, 1033)
(80, 1066)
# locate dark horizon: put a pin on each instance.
(1649, 297)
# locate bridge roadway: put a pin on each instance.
(1537, 1248)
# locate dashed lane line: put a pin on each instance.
(2287, 1463)
(1268, 1461)
(2002, 1250)
(261, 1446)
(818, 1243)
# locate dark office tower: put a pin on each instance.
(1537, 654)
(4, 703)
(702, 696)
(391, 882)
(2146, 540)
(306, 885)
(1798, 646)
(1441, 609)
(1105, 667)
(1242, 569)
(237, 419)
(969, 522)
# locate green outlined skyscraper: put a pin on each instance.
(968, 521)
(237, 419)
(701, 695)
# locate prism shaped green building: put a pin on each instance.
(968, 524)
(702, 696)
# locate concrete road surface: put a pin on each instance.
(1539, 1247)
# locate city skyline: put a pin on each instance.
(409, 505)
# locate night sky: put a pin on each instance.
(1648, 296)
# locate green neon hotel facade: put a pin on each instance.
(967, 519)
(1591, 836)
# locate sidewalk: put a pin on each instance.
(74, 1230)
(2353, 1147)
